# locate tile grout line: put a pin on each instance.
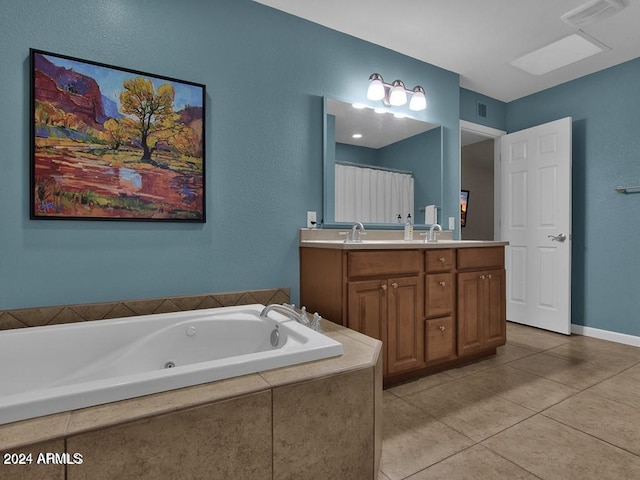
(590, 435)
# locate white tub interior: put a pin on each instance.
(47, 370)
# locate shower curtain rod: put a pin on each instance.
(373, 167)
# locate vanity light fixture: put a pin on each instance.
(395, 94)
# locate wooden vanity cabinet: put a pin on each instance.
(433, 308)
(387, 304)
(481, 300)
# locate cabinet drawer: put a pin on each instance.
(364, 264)
(479, 258)
(439, 260)
(439, 294)
(440, 339)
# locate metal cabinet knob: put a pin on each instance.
(384, 286)
(489, 276)
(442, 284)
(482, 277)
(442, 259)
(442, 328)
(394, 285)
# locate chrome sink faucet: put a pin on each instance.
(432, 233)
(355, 233)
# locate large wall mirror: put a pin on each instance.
(378, 167)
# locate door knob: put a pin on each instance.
(394, 285)
(384, 286)
(557, 238)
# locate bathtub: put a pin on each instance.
(45, 370)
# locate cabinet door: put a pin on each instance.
(440, 339)
(439, 294)
(481, 310)
(367, 310)
(470, 313)
(405, 324)
(495, 324)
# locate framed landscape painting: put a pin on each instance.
(114, 144)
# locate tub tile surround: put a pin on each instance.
(48, 472)
(55, 315)
(328, 409)
(335, 408)
(228, 439)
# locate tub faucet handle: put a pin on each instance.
(315, 323)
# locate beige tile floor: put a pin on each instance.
(547, 406)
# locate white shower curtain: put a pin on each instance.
(372, 195)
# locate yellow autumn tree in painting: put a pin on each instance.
(114, 133)
(153, 110)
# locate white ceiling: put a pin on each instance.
(377, 129)
(476, 38)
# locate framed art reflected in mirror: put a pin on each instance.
(464, 204)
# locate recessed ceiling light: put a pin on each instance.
(357, 135)
(558, 54)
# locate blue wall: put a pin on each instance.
(266, 73)
(357, 154)
(496, 111)
(605, 108)
(420, 154)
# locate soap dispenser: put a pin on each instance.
(408, 228)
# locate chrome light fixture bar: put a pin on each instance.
(395, 94)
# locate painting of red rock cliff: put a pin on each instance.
(114, 144)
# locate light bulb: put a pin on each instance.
(418, 100)
(376, 87)
(397, 95)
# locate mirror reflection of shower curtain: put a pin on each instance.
(372, 196)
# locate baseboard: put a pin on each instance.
(605, 335)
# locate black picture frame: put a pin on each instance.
(464, 205)
(111, 143)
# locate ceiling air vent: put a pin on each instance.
(593, 12)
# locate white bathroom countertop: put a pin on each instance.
(385, 240)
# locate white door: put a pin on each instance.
(536, 221)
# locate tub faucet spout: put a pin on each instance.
(290, 312)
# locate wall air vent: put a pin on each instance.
(482, 110)
(593, 12)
